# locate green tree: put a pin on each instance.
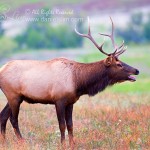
(1, 27)
(40, 35)
(7, 46)
(147, 29)
(137, 19)
(134, 30)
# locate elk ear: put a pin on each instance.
(108, 61)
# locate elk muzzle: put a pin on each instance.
(132, 78)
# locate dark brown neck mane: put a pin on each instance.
(91, 78)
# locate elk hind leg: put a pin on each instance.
(4, 115)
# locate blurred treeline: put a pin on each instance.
(137, 30)
(43, 35)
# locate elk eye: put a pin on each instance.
(119, 65)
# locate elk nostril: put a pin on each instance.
(137, 72)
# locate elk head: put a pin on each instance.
(117, 70)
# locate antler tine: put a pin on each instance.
(119, 48)
(121, 51)
(89, 32)
(112, 33)
(122, 45)
(111, 36)
(89, 36)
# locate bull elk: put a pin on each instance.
(60, 82)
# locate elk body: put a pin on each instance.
(60, 82)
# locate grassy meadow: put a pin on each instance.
(118, 118)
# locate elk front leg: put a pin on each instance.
(60, 109)
(4, 115)
(68, 117)
(14, 122)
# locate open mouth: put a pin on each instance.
(131, 78)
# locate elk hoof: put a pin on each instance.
(21, 140)
(72, 144)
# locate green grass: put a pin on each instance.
(140, 86)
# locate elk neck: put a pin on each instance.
(91, 78)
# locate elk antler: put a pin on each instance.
(89, 36)
(118, 50)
